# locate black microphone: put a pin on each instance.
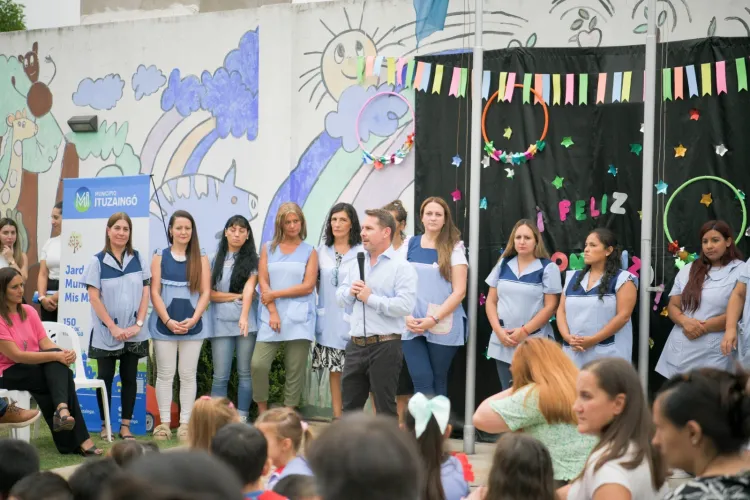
(361, 262)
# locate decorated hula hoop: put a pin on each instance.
(508, 156)
(400, 154)
(709, 178)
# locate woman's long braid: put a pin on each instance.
(611, 268)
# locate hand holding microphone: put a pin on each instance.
(359, 289)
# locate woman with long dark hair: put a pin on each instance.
(30, 361)
(437, 326)
(118, 279)
(234, 274)
(48, 281)
(524, 292)
(595, 308)
(180, 293)
(287, 275)
(343, 242)
(698, 304)
(623, 465)
(11, 251)
(702, 423)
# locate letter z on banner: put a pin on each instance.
(87, 205)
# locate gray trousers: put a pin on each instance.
(373, 368)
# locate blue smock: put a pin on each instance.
(332, 326)
(225, 316)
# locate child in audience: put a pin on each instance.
(42, 486)
(89, 480)
(285, 432)
(297, 487)
(24, 462)
(521, 470)
(427, 419)
(124, 452)
(209, 415)
(245, 450)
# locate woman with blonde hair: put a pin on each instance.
(540, 403)
(437, 326)
(287, 275)
(209, 415)
(524, 290)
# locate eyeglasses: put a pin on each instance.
(335, 274)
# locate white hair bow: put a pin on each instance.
(422, 409)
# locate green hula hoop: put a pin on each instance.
(706, 178)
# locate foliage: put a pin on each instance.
(12, 17)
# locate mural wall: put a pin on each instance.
(237, 112)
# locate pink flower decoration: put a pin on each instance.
(482, 299)
(456, 195)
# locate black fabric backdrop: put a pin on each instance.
(602, 135)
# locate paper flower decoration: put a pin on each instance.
(673, 247)
(508, 132)
(695, 114)
(510, 173)
(567, 142)
(664, 312)
(721, 150)
(558, 182)
(679, 263)
(483, 203)
(457, 161)
(661, 187)
(692, 257)
(612, 170)
(485, 161)
(706, 200)
(636, 148)
(482, 298)
(456, 195)
(679, 151)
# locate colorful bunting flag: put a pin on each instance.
(377, 66)
(666, 84)
(706, 85)
(361, 69)
(409, 73)
(418, 75)
(527, 87)
(721, 77)
(545, 87)
(556, 91)
(464, 78)
(538, 86)
(509, 87)
(617, 87)
(486, 76)
(438, 79)
(455, 81)
(370, 63)
(501, 87)
(426, 77)
(399, 70)
(569, 88)
(583, 88)
(678, 86)
(626, 80)
(601, 88)
(692, 82)
(741, 74)
(391, 71)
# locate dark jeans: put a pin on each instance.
(3, 407)
(372, 368)
(428, 365)
(50, 384)
(52, 286)
(128, 376)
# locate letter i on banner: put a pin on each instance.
(741, 74)
(438, 79)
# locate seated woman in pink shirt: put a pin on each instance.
(30, 361)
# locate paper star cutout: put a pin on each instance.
(680, 151)
(508, 132)
(695, 114)
(483, 203)
(741, 196)
(457, 161)
(707, 200)
(456, 195)
(558, 182)
(661, 187)
(486, 161)
(721, 150)
(636, 148)
(567, 142)
(640, 215)
(612, 170)
(664, 312)
(511, 173)
(482, 299)
(643, 127)
(650, 341)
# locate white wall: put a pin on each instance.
(43, 14)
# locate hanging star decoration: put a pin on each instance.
(706, 200)
(612, 170)
(558, 182)
(483, 203)
(721, 150)
(567, 142)
(664, 312)
(695, 114)
(741, 195)
(510, 172)
(636, 148)
(482, 298)
(485, 161)
(456, 195)
(457, 161)
(508, 132)
(643, 125)
(661, 187)
(640, 215)
(679, 151)
(650, 343)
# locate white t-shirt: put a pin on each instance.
(404, 248)
(51, 255)
(637, 481)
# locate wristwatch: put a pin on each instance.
(139, 323)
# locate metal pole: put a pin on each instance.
(647, 196)
(473, 212)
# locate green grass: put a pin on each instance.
(51, 459)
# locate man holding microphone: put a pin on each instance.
(384, 294)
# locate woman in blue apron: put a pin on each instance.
(437, 327)
(524, 291)
(595, 308)
(180, 293)
(117, 279)
(233, 312)
(698, 305)
(343, 241)
(287, 276)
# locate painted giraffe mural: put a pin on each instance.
(22, 129)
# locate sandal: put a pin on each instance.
(162, 432)
(91, 452)
(182, 433)
(129, 437)
(103, 433)
(62, 423)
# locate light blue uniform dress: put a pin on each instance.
(743, 328)
(297, 313)
(332, 326)
(681, 354)
(429, 356)
(520, 297)
(586, 315)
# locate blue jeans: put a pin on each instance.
(503, 371)
(428, 365)
(223, 349)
